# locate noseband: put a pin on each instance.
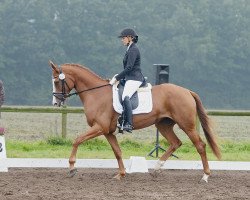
(62, 96)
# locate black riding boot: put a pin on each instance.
(128, 113)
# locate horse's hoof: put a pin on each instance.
(204, 179)
(119, 177)
(72, 173)
(155, 173)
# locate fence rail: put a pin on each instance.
(67, 110)
(63, 110)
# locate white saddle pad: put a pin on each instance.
(145, 104)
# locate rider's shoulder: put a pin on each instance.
(133, 48)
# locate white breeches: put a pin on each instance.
(130, 88)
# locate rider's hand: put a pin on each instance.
(113, 80)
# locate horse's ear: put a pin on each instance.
(53, 66)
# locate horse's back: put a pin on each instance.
(173, 99)
(171, 92)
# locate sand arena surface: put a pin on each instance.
(98, 184)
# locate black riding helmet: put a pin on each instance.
(129, 32)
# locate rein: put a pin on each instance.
(76, 93)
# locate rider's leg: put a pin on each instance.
(130, 88)
(128, 112)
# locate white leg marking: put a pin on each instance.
(159, 164)
(205, 177)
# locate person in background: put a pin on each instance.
(1, 95)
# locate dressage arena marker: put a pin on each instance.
(137, 164)
(3, 163)
(112, 163)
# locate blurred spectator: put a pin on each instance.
(1, 95)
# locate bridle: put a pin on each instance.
(62, 96)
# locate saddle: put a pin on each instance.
(134, 99)
(141, 100)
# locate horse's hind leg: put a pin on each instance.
(201, 149)
(165, 127)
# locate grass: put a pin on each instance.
(56, 147)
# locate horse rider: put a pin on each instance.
(131, 74)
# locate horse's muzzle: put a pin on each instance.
(59, 104)
(58, 99)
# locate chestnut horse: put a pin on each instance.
(172, 105)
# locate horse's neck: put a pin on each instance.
(96, 99)
(85, 79)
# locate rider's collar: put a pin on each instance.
(129, 45)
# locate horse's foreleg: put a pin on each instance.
(93, 132)
(118, 154)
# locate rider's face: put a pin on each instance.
(125, 40)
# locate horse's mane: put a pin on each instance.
(84, 68)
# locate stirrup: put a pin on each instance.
(120, 123)
(128, 128)
(120, 128)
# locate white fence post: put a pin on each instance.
(3, 164)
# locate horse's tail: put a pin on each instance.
(205, 123)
